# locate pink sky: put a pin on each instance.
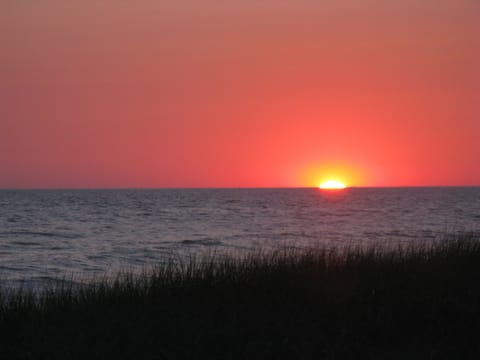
(246, 93)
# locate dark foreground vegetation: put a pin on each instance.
(418, 302)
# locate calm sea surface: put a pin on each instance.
(54, 233)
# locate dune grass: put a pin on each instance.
(415, 302)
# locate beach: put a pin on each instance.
(413, 302)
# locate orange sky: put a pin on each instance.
(195, 93)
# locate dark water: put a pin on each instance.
(51, 233)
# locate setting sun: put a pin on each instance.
(332, 184)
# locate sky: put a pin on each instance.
(273, 93)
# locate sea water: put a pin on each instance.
(48, 234)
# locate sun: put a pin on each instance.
(332, 184)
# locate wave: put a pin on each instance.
(207, 242)
(25, 243)
(6, 234)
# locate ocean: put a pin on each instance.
(51, 234)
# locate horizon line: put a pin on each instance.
(230, 187)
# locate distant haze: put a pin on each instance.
(196, 93)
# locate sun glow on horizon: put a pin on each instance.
(333, 175)
(332, 185)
